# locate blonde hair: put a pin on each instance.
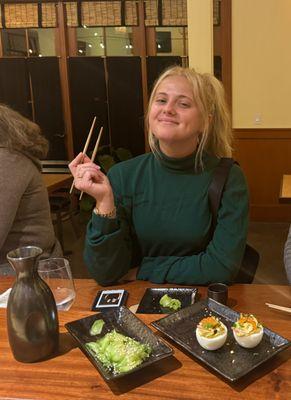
(21, 134)
(209, 96)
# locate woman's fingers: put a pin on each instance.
(83, 168)
(76, 161)
(82, 160)
(87, 178)
(86, 159)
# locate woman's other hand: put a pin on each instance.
(89, 179)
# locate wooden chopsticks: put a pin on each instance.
(94, 151)
(86, 146)
(281, 308)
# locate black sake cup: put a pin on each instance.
(218, 292)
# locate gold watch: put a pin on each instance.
(111, 214)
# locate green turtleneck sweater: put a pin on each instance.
(163, 224)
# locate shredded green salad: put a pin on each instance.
(119, 353)
(167, 302)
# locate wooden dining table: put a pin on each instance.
(70, 375)
(54, 182)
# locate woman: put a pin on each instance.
(25, 212)
(153, 210)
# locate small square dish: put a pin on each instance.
(150, 302)
(231, 360)
(126, 323)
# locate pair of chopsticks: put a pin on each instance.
(86, 148)
(281, 308)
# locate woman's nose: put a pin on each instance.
(169, 108)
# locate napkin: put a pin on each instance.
(4, 298)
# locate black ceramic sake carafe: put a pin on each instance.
(32, 319)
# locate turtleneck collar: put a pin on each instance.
(177, 165)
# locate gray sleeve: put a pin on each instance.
(287, 256)
(12, 184)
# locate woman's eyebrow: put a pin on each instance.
(179, 96)
(161, 93)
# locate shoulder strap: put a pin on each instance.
(216, 187)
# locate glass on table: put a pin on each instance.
(56, 272)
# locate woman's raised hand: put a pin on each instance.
(89, 179)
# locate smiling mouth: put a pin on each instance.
(166, 121)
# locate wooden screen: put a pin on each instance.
(47, 100)
(88, 98)
(157, 64)
(14, 85)
(125, 103)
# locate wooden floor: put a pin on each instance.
(269, 239)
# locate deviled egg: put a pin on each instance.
(211, 333)
(247, 331)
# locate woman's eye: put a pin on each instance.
(184, 105)
(160, 101)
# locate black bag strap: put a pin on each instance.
(217, 185)
(251, 257)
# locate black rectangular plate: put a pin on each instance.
(125, 322)
(231, 360)
(150, 302)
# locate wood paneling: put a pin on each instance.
(62, 48)
(265, 156)
(225, 40)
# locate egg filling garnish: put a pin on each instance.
(247, 331)
(211, 333)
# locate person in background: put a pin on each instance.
(152, 211)
(25, 212)
(287, 256)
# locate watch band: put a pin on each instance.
(111, 214)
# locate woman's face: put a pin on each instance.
(174, 118)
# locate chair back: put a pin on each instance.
(248, 266)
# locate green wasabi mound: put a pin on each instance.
(97, 327)
(167, 302)
(119, 353)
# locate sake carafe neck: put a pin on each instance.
(23, 261)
